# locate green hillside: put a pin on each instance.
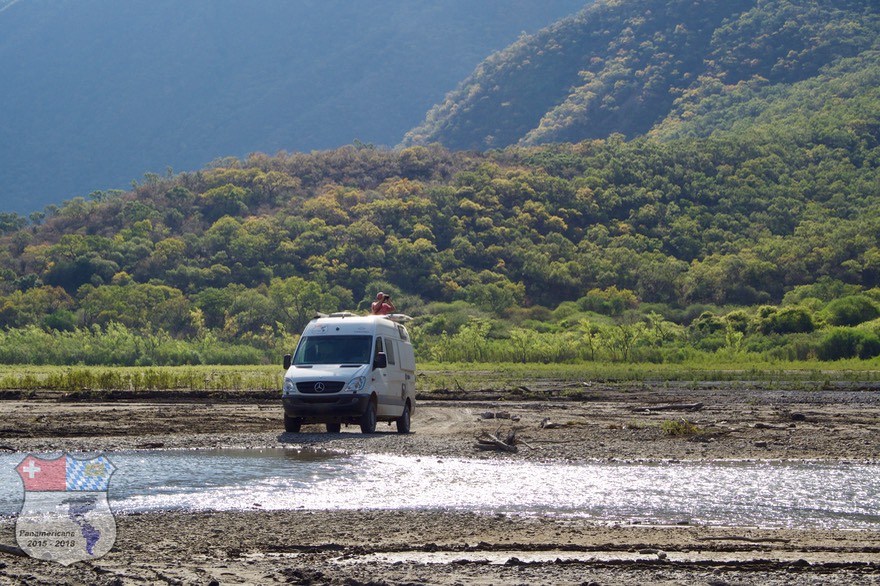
(244, 251)
(649, 67)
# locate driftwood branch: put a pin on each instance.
(526, 444)
(490, 441)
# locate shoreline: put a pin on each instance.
(339, 449)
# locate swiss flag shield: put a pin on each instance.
(65, 516)
(40, 474)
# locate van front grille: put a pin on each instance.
(320, 386)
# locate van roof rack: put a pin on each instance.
(397, 317)
(342, 314)
(320, 314)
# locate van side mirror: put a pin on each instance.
(288, 359)
(381, 361)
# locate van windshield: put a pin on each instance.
(333, 350)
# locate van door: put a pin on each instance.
(380, 378)
(394, 379)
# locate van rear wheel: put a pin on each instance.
(334, 427)
(292, 424)
(403, 421)
(368, 419)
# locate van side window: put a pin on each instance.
(389, 350)
(402, 331)
(379, 347)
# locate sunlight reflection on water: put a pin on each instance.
(769, 494)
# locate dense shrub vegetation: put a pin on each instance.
(602, 250)
(719, 236)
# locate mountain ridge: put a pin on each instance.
(635, 67)
(98, 93)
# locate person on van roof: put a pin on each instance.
(382, 305)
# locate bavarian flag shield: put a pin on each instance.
(65, 516)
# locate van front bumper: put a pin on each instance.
(326, 408)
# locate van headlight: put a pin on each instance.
(356, 384)
(289, 386)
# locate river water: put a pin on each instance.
(765, 494)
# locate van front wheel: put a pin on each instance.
(368, 419)
(292, 424)
(404, 420)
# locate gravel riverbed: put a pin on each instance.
(833, 422)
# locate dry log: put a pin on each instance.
(760, 425)
(671, 407)
(495, 443)
(488, 441)
(486, 446)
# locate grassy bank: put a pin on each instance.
(130, 378)
(432, 376)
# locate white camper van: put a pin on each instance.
(351, 369)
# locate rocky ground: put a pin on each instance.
(593, 422)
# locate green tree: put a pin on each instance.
(227, 200)
(851, 310)
(134, 305)
(609, 301)
(33, 306)
(790, 320)
(842, 343)
(297, 300)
